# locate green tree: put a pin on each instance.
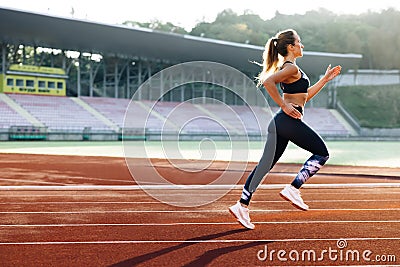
(157, 25)
(375, 35)
(229, 26)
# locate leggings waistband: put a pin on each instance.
(299, 108)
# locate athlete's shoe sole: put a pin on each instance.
(294, 204)
(241, 221)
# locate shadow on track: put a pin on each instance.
(202, 260)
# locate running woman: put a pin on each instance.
(279, 67)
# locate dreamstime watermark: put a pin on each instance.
(341, 252)
(199, 83)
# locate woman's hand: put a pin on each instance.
(332, 72)
(289, 109)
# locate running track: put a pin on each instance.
(113, 223)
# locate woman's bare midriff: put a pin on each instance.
(299, 99)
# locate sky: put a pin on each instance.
(187, 13)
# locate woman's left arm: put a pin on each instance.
(329, 75)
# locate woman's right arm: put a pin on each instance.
(270, 85)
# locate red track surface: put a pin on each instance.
(127, 227)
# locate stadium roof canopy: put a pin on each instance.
(21, 27)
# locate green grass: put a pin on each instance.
(360, 153)
(373, 106)
(357, 153)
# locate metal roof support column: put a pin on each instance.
(64, 62)
(90, 78)
(139, 81)
(192, 88)
(165, 86)
(93, 73)
(334, 102)
(204, 86)
(104, 79)
(162, 80)
(245, 91)
(116, 79)
(3, 58)
(182, 87)
(24, 55)
(35, 56)
(51, 59)
(78, 76)
(120, 75)
(232, 86)
(149, 73)
(223, 90)
(128, 84)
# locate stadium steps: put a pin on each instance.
(20, 110)
(95, 113)
(153, 112)
(344, 122)
(218, 118)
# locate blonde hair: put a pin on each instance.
(275, 47)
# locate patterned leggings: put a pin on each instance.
(281, 130)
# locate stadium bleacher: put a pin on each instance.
(62, 113)
(10, 117)
(187, 117)
(112, 108)
(58, 113)
(324, 122)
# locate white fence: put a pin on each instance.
(369, 77)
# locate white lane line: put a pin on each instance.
(178, 202)
(190, 187)
(184, 223)
(199, 241)
(95, 194)
(129, 182)
(183, 211)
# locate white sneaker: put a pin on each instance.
(242, 215)
(292, 194)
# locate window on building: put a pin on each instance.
(20, 82)
(51, 85)
(30, 83)
(42, 84)
(10, 82)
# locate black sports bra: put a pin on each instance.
(299, 86)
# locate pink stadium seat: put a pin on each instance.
(10, 117)
(185, 117)
(324, 122)
(58, 113)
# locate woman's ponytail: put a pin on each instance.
(275, 47)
